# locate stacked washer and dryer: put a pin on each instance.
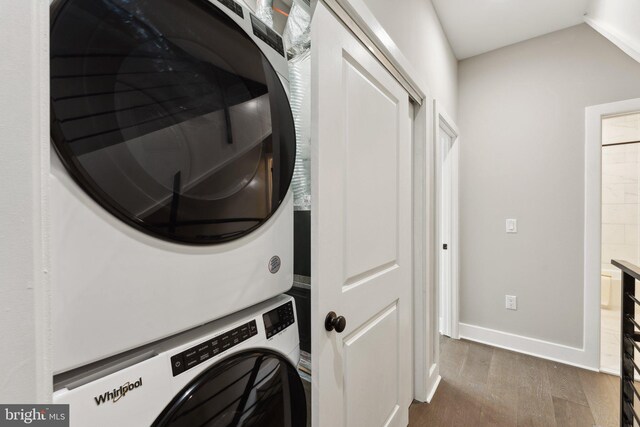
(174, 149)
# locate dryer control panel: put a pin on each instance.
(278, 319)
(233, 6)
(212, 347)
(267, 35)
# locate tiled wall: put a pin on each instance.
(620, 183)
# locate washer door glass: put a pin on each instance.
(253, 388)
(169, 115)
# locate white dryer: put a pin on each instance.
(238, 371)
(174, 148)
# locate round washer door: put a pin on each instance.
(249, 389)
(169, 116)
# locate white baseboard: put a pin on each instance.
(431, 382)
(433, 389)
(614, 372)
(531, 346)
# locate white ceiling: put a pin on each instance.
(477, 26)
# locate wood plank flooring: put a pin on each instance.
(487, 386)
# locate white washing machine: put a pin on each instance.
(238, 371)
(174, 147)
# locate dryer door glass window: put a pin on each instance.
(169, 115)
(250, 389)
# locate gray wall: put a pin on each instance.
(521, 119)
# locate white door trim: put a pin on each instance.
(593, 222)
(425, 325)
(444, 122)
(25, 305)
(346, 14)
(364, 19)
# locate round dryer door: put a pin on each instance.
(169, 115)
(249, 389)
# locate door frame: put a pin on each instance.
(444, 122)
(593, 223)
(425, 335)
(25, 310)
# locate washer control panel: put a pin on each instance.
(278, 319)
(212, 347)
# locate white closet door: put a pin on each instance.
(445, 212)
(361, 234)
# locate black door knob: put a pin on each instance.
(333, 321)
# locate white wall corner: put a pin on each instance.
(626, 44)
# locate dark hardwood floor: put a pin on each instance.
(487, 386)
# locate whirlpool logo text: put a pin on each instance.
(118, 393)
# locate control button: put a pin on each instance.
(225, 345)
(191, 358)
(204, 352)
(190, 363)
(244, 332)
(177, 364)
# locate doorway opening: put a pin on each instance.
(620, 238)
(447, 248)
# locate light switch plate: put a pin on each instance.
(511, 302)
(512, 225)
